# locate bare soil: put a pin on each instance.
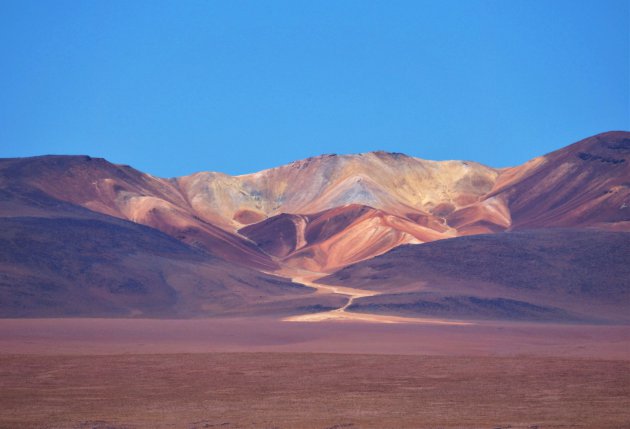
(297, 390)
(104, 373)
(151, 336)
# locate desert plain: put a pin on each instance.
(267, 373)
(372, 290)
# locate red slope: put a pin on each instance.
(126, 193)
(337, 237)
(586, 184)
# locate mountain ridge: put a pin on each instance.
(427, 200)
(316, 216)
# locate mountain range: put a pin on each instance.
(548, 240)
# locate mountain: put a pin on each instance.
(586, 184)
(60, 259)
(98, 267)
(212, 210)
(336, 237)
(190, 235)
(405, 200)
(408, 200)
(122, 192)
(544, 275)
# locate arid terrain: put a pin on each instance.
(314, 214)
(293, 390)
(543, 241)
(374, 290)
(243, 373)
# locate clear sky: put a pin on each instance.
(174, 87)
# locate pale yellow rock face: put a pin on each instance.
(412, 198)
(398, 184)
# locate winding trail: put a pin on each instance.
(352, 293)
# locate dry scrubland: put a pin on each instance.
(295, 390)
(548, 345)
(91, 373)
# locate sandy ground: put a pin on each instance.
(342, 314)
(319, 391)
(352, 294)
(264, 373)
(115, 336)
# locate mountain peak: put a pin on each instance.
(387, 154)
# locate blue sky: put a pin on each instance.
(174, 87)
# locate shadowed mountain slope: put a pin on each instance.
(527, 275)
(122, 192)
(584, 184)
(95, 266)
(58, 259)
